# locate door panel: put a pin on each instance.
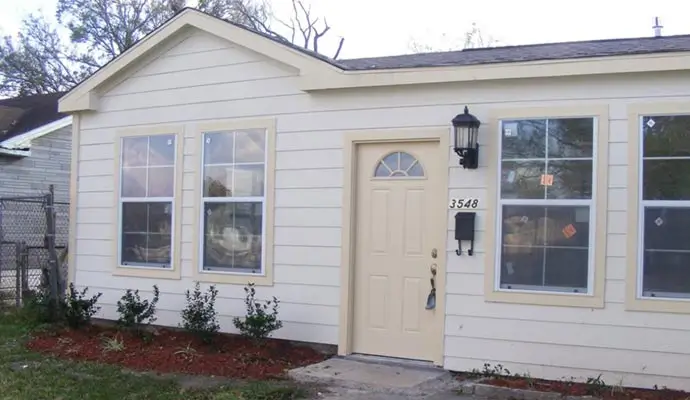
(396, 231)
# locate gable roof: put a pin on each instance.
(318, 72)
(535, 52)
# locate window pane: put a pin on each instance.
(666, 229)
(161, 182)
(250, 146)
(135, 217)
(666, 179)
(570, 137)
(523, 139)
(666, 274)
(571, 180)
(567, 269)
(521, 266)
(523, 226)
(522, 180)
(162, 150)
(545, 248)
(217, 181)
(146, 234)
(232, 236)
(248, 181)
(666, 136)
(134, 151)
(133, 182)
(566, 226)
(218, 148)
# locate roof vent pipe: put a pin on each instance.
(657, 28)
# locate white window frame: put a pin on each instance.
(652, 203)
(591, 203)
(246, 199)
(171, 200)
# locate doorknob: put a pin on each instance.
(432, 269)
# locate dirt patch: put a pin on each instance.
(583, 389)
(172, 351)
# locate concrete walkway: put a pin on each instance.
(372, 379)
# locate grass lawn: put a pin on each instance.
(29, 376)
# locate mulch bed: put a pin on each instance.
(172, 351)
(584, 389)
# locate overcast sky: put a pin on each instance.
(385, 27)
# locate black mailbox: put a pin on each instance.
(464, 230)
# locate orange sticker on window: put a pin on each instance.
(569, 231)
(547, 180)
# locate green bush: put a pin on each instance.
(78, 309)
(199, 315)
(135, 312)
(261, 319)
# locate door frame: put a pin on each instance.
(351, 141)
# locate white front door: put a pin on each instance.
(397, 230)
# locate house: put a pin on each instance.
(35, 146)
(35, 152)
(208, 152)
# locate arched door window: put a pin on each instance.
(399, 165)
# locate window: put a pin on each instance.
(665, 207)
(546, 209)
(397, 165)
(233, 201)
(146, 201)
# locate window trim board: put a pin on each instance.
(633, 299)
(595, 298)
(175, 270)
(266, 278)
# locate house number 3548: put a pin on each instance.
(463, 203)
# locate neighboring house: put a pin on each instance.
(35, 146)
(35, 152)
(209, 152)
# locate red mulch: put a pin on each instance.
(169, 352)
(583, 389)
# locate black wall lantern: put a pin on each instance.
(466, 129)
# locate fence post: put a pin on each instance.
(53, 269)
(17, 273)
(25, 272)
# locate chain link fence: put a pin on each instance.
(34, 233)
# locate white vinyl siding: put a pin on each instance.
(640, 348)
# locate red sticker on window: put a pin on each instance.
(569, 231)
(547, 180)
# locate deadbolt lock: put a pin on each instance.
(434, 253)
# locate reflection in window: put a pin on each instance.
(233, 199)
(399, 164)
(665, 206)
(546, 193)
(147, 187)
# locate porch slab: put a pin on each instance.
(393, 378)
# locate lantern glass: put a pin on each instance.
(461, 136)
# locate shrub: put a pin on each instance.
(37, 308)
(261, 319)
(78, 310)
(199, 315)
(135, 312)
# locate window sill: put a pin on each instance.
(545, 299)
(239, 279)
(144, 272)
(663, 305)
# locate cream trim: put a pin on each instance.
(350, 142)
(596, 299)
(632, 302)
(24, 140)
(73, 204)
(176, 265)
(269, 200)
(84, 96)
